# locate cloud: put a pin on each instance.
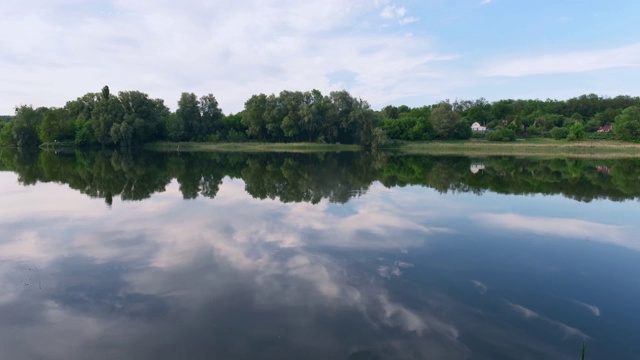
(562, 227)
(386, 271)
(528, 313)
(592, 308)
(231, 49)
(571, 62)
(481, 287)
(393, 12)
(408, 20)
(194, 263)
(485, 2)
(566, 329)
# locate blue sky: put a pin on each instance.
(387, 52)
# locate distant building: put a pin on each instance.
(475, 168)
(477, 127)
(605, 128)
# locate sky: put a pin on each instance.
(413, 52)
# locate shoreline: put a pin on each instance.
(535, 147)
(249, 147)
(523, 148)
(532, 147)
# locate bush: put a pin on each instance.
(577, 131)
(559, 133)
(503, 134)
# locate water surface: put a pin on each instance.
(109, 255)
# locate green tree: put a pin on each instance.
(211, 116)
(25, 126)
(107, 111)
(448, 124)
(189, 115)
(175, 128)
(390, 112)
(627, 125)
(253, 117)
(56, 125)
(291, 103)
(142, 121)
(577, 130)
(80, 111)
(6, 135)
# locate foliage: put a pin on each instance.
(6, 135)
(577, 131)
(559, 133)
(503, 134)
(627, 124)
(132, 118)
(448, 124)
(56, 125)
(25, 126)
(295, 116)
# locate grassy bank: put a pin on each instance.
(529, 147)
(251, 147)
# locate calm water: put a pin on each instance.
(337, 256)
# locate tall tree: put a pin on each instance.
(25, 126)
(107, 111)
(142, 121)
(448, 124)
(254, 116)
(211, 116)
(188, 114)
(56, 125)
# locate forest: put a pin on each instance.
(132, 118)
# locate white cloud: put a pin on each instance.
(408, 20)
(592, 308)
(393, 12)
(528, 313)
(485, 2)
(231, 49)
(562, 227)
(571, 62)
(567, 330)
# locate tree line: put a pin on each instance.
(132, 118)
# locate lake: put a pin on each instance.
(142, 255)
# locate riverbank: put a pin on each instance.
(529, 147)
(250, 147)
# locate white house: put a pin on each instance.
(475, 168)
(477, 127)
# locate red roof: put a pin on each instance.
(605, 128)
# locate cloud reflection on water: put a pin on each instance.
(235, 276)
(147, 262)
(562, 227)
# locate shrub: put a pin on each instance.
(503, 134)
(559, 133)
